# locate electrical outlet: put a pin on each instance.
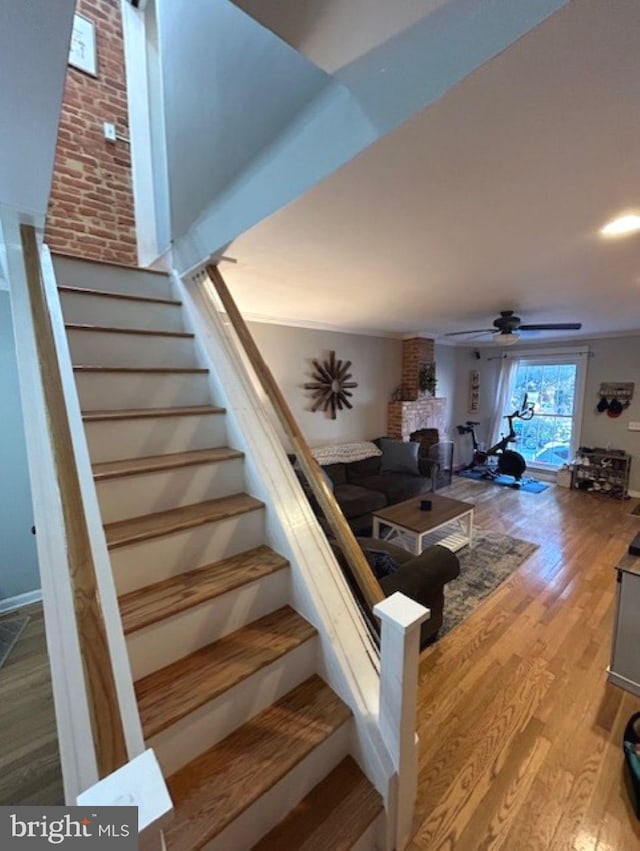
(634, 426)
(109, 131)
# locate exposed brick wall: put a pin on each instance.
(403, 418)
(416, 352)
(91, 206)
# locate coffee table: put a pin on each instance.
(449, 523)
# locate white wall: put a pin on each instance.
(446, 366)
(18, 559)
(230, 88)
(34, 45)
(612, 359)
(376, 366)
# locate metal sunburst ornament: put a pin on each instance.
(331, 385)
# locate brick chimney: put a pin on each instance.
(415, 412)
(416, 353)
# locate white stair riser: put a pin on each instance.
(112, 279)
(103, 349)
(115, 391)
(205, 727)
(120, 313)
(133, 496)
(140, 564)
(372, 838)
(263, 815)
(173, 638)
(114, 440)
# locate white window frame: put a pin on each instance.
(549, 357)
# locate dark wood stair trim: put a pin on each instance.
(107, 329)
(151, 413)
(107, 470)
(220, 784)
(170, 694)
(333, 815)
(121, 533)
(126, 296)
(177, 594)
(132, 370)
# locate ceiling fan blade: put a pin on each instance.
(552, 326)
(473, 331)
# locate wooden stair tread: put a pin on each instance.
(155, 463)
(150, 413)
(334, 814)
(137, 529)
(162, 599)
(167, 695)
(125, 296)
(132, 370)
(109, 329)
(217, 786)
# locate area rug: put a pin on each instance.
(483, 567)
(527, 484)
(10, 630)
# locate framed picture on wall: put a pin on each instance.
(82, 53)
(474, 391)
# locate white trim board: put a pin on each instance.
(28, 598)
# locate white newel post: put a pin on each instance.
(401, 618)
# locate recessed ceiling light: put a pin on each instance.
(622, 225)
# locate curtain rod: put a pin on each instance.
(555, 355)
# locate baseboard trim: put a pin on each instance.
(634, 494)
(623, 682)
(20, 600)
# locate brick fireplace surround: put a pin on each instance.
(415, 412)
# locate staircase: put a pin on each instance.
(254, 745)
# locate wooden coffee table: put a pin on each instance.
(449, 523)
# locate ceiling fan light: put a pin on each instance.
(506, 339)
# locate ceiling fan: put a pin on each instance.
(507, 324)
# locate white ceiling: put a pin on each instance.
(333, 33)
(490, 199)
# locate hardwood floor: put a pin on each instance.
(29, 761)
(520, 731)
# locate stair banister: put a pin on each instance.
(401, 618)
(358, 564)
(97, 676)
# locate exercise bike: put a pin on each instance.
(509, 462)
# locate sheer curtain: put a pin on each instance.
(508, 369)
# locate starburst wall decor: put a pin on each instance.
(331, 385)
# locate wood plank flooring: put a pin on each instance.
(520, 731)
(29, 760)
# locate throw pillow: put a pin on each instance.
(381, 563)
(399, 457)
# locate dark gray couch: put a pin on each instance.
(361, 487)
(422, 578)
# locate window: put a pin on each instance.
(554, 385)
